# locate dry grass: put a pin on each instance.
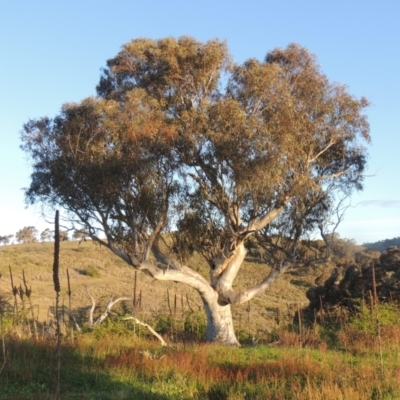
(129, 367)
(113, 276)
(118, 361)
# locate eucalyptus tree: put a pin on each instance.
(28, 234)
(46, 235)
(80, 235)
(185, 150)
(6, 239)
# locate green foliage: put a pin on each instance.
(328, 333)
(192, 328)
(112, 327)
(118, 366)
(195, 324)
(164, 324)
(123, 146)
(368, 319)
(7, 324)
(92, 271)
(180, 136)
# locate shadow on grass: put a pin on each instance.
(30, 373)
(6, 307)
(298, 282)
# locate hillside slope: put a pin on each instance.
(111, 276)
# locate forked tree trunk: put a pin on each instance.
(217, 294)
(220, 324)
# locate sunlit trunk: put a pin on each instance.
(218, 310)
(220, 324)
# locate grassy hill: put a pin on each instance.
(90, 265)
(357, 360)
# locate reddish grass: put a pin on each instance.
(216, 372)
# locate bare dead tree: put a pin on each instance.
(107, 311)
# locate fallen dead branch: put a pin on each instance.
(158, 336)
(107, 311)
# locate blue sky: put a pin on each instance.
(51, 52)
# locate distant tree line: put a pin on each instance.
(29, 234)
(382, 245)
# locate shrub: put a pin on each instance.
(366, 319)
(195, 325)
(92, 271)
(163, 324)
(371, 328)
(112, 327)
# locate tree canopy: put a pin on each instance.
(28, 234)
(5, 239)
(185, 150)
(46, 235)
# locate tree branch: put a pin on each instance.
(265, 220)
(234, 297)
(332, 176)
(110, 304)
(157, 335)
(77, 327)
(162, 258)
(330, 144)
(183, 275)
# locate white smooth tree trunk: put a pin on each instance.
(217, 295)
(220, 324)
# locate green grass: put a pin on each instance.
(92, 271)
(129, 367)
(356, 360)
